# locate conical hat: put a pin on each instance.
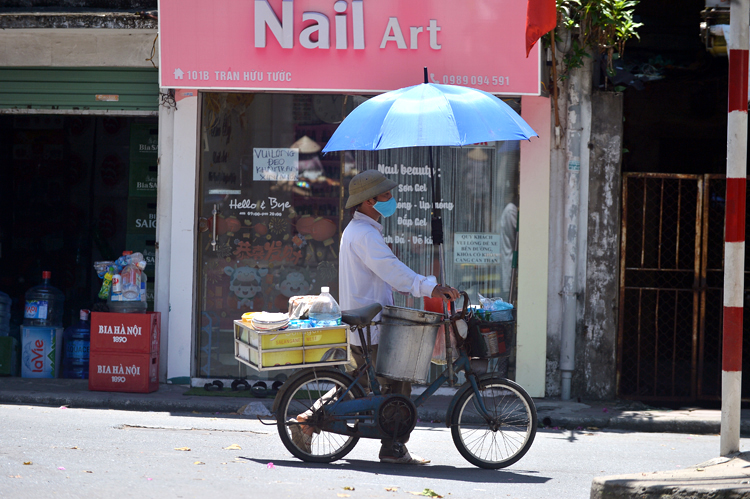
(477, 154)
(306, 145)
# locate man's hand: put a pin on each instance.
(446, 293)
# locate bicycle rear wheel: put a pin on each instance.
(308, 397)
(503, 440)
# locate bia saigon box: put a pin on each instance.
(41, 349)
(124, 353)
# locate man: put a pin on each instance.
(368, 273)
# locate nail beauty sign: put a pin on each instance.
(358, 46)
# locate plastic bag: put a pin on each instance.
(299, 306)
(494, 304)
(102, 267)
(438, 353)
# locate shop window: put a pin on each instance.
(279, 214)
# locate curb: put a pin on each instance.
(719, 478)
(644, 424)
(125, 402)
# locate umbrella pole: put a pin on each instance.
(437, 240)
(448, 347)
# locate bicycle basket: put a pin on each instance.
(487, 339)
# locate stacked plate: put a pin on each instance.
(268, 321)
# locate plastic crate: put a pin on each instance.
(125, 333)
(118, 372)
(269, 350)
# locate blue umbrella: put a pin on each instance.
(428, 114)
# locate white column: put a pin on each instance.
(164, 230)
(533, 248)
(182, 262)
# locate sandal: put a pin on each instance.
(260, 390)
(240, 384)
(215, 386)
(405, 459)
(301, 439)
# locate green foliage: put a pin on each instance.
(597, 26)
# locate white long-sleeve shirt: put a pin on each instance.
(369, 271)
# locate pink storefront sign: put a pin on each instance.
(357, 46)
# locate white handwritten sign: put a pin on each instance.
(476, 248)
(272, 164)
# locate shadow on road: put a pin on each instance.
(438, 472)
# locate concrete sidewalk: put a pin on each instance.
(618, 415)
(723, 477)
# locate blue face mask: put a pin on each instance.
(386, 208)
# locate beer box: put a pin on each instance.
(125, 333)
(122, 372)
(41, 351)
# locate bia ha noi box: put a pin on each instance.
(269, 350)
(124, 353)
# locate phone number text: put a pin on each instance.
(476, 80)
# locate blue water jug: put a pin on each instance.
(44, 304)
(76, 342)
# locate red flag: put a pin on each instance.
(541, 17)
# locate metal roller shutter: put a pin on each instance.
(126, 89)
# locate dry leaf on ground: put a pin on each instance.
(233, 447)
(27, 463)
(426, 493)
(182, 448)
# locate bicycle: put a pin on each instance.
(493, 420)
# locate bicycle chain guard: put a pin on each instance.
(397, 416)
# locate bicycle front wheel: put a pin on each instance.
(305, 401)
(508, 435)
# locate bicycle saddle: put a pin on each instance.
(361, 316)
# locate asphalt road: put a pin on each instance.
(105, 453)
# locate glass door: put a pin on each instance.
(270, 208)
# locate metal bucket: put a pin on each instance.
(407, 338)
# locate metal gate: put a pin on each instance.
(671, 286)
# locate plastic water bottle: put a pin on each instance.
(76, 342)
(131, 283)
(324, 311)
(131, 277)
(44, 304)
(4, 314)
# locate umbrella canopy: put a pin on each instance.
(428, 114)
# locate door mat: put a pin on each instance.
(224, 392)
